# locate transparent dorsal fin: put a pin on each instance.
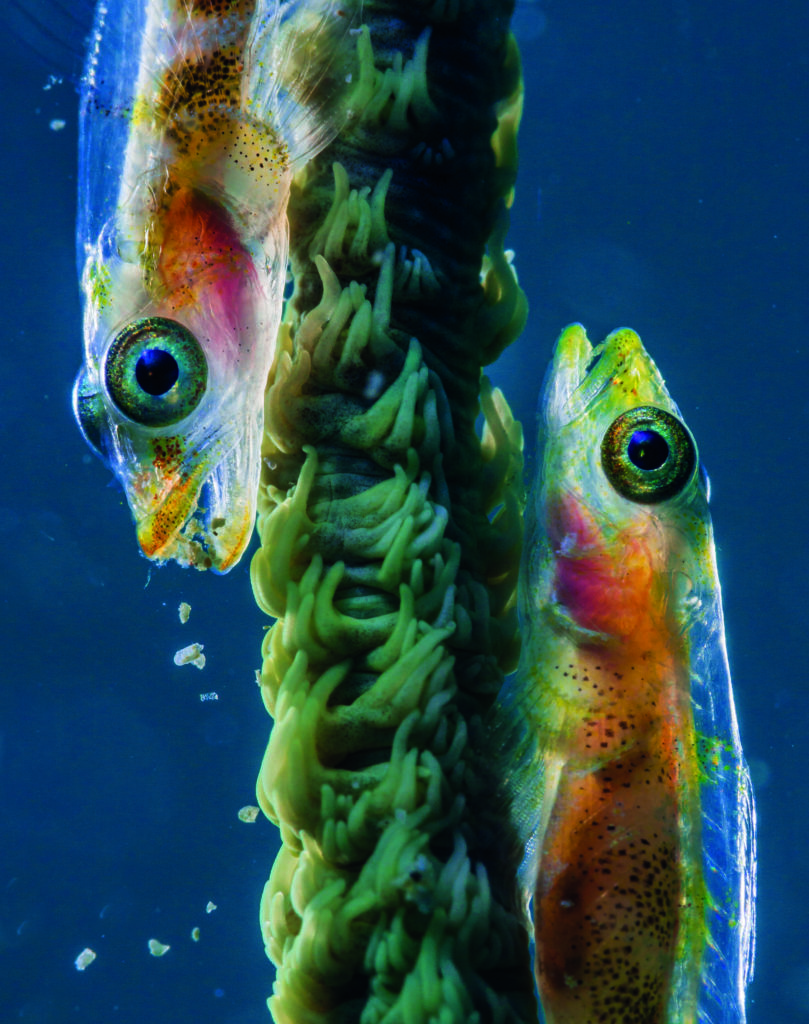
(107, 91)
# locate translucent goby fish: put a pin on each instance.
(194, 116)
(627, 778)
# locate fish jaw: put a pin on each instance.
(617, 374)
(196, 505)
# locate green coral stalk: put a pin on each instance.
(390, 542)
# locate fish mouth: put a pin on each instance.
(160, 529)
(200, 542)
(581, 371)
(194, 525)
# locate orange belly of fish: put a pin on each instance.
(608, 898)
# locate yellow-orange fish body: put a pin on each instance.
(630, 784)
(192, 125)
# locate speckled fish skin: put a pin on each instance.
(187, 155)
(632, 789)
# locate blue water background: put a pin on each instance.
(663, 185)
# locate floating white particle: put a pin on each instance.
(57, 124)
(373, 385)
(84, 959)
(210, 907)
(184, 611)
(158, 948)
(191, 655)
(248, 814)
(212, 695)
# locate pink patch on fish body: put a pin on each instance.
(600, 592)
(202, 262)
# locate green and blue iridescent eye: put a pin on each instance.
(156, 372)
(648, 455)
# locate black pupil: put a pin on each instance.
(647, 449)
(156, 371)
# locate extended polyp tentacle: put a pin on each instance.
(390, 542)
